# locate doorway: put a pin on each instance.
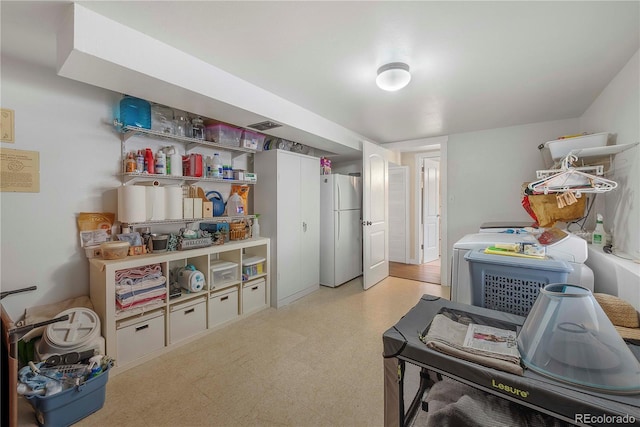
(428, 212)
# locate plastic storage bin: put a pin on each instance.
(553, 151)
(511, 284)
(223, 134)
(252, 266)
(252, 140)
(222, 273)
(71, 405)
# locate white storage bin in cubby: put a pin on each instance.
(139, 336)
(222, 273)
(223, 306)
(254, 295)
(187, 319)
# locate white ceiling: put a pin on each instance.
(475, 65)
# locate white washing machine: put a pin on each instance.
(571, 248)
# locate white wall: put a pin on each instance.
(617, 110)
(486, 170)
(67, 123)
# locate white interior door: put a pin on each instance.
(431, 210)
(374, 214)
(398, 214)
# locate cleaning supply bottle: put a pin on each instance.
(208, 167)
(161, 163)
(599, 236)
(175, 159)
(235, 206)
(131, 163)
(139, 162)
(255, 228)
(149, 161)
(217, 166)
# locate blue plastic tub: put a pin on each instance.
(511, 284)
(71, 405)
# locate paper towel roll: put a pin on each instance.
(131, 203)
(155, 203)
(173, 202)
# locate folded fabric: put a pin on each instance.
(139, 303)
(447, 336)
(138, 272)
(140, 306)
(145, 284)
(128, 281)
(139, 292)
(128, 302)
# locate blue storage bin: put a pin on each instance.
(71, 405)
(511, 284)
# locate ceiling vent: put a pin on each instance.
(265, 125)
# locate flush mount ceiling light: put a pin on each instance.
(393, 76)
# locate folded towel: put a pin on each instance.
(128, 302)
(140, 293)
(140, 287)
(138, 272)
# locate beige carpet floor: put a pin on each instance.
(315, 362)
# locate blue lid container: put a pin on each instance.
(135, 112)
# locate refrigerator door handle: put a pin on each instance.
(339, 198)
(338, 239)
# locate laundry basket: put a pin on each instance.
(73, 404)
(511, 284)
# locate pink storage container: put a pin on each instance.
(223, 134)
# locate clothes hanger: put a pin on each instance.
(572, 180)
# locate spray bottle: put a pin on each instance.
(599, 236)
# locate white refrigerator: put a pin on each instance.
(340, 229)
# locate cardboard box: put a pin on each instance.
(207, 209)
(187, 210)
(197, 208)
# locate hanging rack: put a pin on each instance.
(571, 180)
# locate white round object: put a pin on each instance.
(79, 332)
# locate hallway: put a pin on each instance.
(429, 272)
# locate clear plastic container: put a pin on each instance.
(162, 119)
(223, 134)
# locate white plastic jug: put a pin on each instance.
(235, 206)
